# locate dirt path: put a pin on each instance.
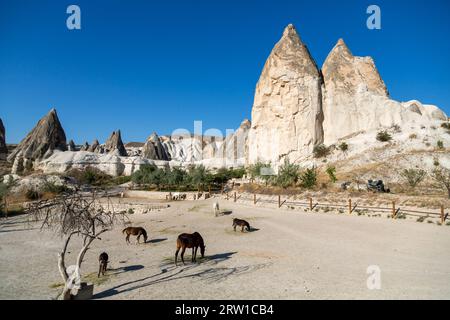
(290, 255)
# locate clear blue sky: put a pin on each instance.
(144, 66)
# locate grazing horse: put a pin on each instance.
(103, 261)
(193, 241)
(216, 208)
(135, 232)
(240, 223)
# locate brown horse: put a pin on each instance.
(241, 223)
(193, 241)
(103, 261)
(135, 231)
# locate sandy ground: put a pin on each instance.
(290, 255)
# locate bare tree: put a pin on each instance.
(442, 176)
(74, 216)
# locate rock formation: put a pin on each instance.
(3, 148)
(94, 146)
(114, 145)
(287, 112)
(235, 147)
(85, 147)
(355, 98)
(71, 146)
(153, 149)
(48, 135)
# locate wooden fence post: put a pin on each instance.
(350, 208)
(394, 212)
(228, 196)
(310, 204)
(442, 215)
(221, 190)
(254, 198)
(235, 198)
(279, 201)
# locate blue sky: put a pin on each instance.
(144, 66)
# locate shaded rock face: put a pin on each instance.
(3, 148)
(48, 135)
(153, 149)
(71, 146)
(287, 112)
(85, 147)
(114, 145)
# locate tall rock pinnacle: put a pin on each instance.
(287, 112)
(353, 95)
(115, 145)
(3, 148)
(48, 135)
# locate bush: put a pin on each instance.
(52, 187)
(413, 176)
(413, 136)
(321, 151)
(384, 136)
(331, 172)
(343, 147)
(32, 194)
(288, 175)
(309, 178)
(442, 176)
(440, 145)
(91, 176)
(445, 125)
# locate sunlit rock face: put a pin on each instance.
(355, 98)
(47, 136)
(287, 112)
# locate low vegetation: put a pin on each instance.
(343, 147)
(413, 176)
(194, 178)
(384, 136)
(321, 151)
(442, 177)
(331, 172)
(440, 145)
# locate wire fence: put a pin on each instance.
(394, 210)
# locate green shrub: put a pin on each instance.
(413, 176)
(32, 194)
(343, 147)
(52, 187)
(331, 172)
(288, 174)
(309, 178)
(440, 145)
(445, 125)
(384, 136)
(321, 151)
(91, 176)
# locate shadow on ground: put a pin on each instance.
(156, 240)
(205, 270)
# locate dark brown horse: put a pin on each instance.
(103, 261)
(193, 241)
(135, 231)
(241, 223)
